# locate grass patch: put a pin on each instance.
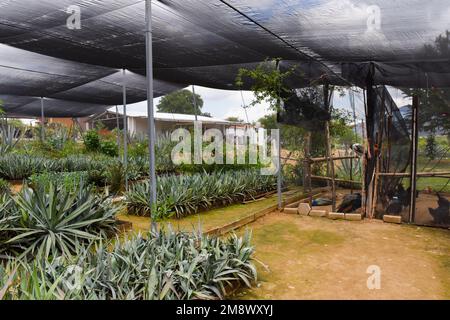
(280, 233)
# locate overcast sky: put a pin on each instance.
(225, 103)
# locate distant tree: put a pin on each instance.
(181, 101)
(431, 148)
(206, 114)
(234, 119)
(434, 103)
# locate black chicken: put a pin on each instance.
(350, 203)
(358, 149)
(441, 215)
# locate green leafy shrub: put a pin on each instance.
(116, 178)
(92, 141)
(187, 194)
(109, 148)
(97, 178)
(165, 266)
(52, 220)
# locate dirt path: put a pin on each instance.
(317, 258)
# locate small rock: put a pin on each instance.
(290, 210)
(318, 213)
(304, 209)
(336, 215)
(353, 216)
(392, 219)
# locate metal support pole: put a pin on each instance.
(42, 120)
(414, 153)
(279, 173)
(125, 130)
(118, 129)
(330, 162)
(151, 116)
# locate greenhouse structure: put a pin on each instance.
(79, 58)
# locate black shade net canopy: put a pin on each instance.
(399, 43)
(74, 89)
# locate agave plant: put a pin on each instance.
(162, 266)
(53, 220)
(58, 137)
(4, 187)
(9, 137)
(187, 194)
(20, 166)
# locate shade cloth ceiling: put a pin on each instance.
(206, 42)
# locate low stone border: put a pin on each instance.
(219, 231)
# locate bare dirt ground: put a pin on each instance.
(318, 258)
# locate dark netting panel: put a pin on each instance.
(26, 74)
(390, 143)
(403, 37)
(394, 153)
(433, 164)
(388, 151)
(108, 90)
(304, 108)
(31, 74)
(29, 106)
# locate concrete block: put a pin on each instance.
(317, 213)
(336, 215)
(290, 210)
(304, 209)
(392, 219)
(353, 216)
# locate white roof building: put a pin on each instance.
(164, 122)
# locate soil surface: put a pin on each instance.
(318, 258)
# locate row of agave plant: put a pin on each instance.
(22, 166)
(58, 243)
(187, 194)
(161, 266)
(53, 220)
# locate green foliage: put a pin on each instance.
(162, 266)
(234, 119)
(340, 129)
(4, 187)
(188, 194)
(109, 148)
(56, 137)
(139, 149)
(51, 220)
(181, 101)
(431, 148)
(267, 82)
(10, 136)
(116, 178)
(18, 167)
(67, 180)
(92, 141)
(21, 166)
(291, 136)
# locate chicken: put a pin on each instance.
(441, 215)
(350, 203)
(358, 148)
